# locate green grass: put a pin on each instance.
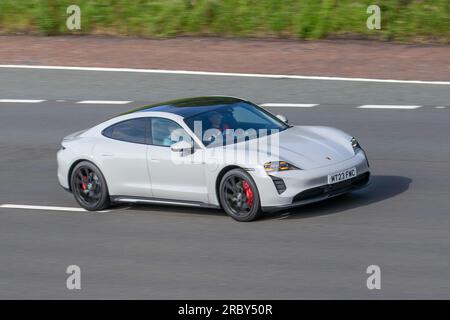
(402, 20)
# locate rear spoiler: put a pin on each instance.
(74, 135)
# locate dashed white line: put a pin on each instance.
(382, 106)
(268, 104)
(103, 102)
(223, 74)
(21, 101)
(289, 105)
(49, 208)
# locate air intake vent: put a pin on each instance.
(279, 184)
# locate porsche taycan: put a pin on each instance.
(215, 151)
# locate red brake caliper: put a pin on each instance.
(248, 192)
(83, 185)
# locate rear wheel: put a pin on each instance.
(239, 196)
(89, 187)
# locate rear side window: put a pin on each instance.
(133, 130)
(166, 132)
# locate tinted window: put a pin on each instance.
(243, 114)
(166, 132)
(232, 118)
(130, 131)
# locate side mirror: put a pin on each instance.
(282, 118)
(182, 147)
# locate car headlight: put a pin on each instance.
(355, 144)
(279, 166)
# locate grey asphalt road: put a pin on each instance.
(400, 223)
(91, 85)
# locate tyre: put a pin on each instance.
(239, 196)
(89, 187)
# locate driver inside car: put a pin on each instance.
(216, 120)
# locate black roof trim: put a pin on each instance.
(188, 106)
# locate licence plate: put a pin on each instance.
(342, 175)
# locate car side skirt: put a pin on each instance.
(159, 201)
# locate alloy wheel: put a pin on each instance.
(238, 195)
(88, 186)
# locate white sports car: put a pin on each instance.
(220, 152)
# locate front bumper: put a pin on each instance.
(306, 186)
(324, 192)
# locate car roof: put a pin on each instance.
(190, 106)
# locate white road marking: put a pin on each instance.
(103, 102)
(224, 74)
(50, 208)
(269, 104)
(382, 106)
(289, 105)
(21, 101)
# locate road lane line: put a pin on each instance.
(49, 208)
(102, 102)
(21, 101)
(223, 74)
(382, 106)
(289, 105)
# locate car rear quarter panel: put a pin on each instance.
(74, 152)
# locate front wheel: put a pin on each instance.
(239, 196)
(89, 187)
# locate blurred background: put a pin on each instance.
(402, 20)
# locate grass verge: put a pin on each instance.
(401, 20)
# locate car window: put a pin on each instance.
(244, 115)
(132, 130)
(227, 120)
(165, 132)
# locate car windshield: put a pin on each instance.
(232, 123)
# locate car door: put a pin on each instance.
(174, 176)
(122, 155)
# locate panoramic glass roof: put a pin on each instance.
(188, 107)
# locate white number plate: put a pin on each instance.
(342, 176)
